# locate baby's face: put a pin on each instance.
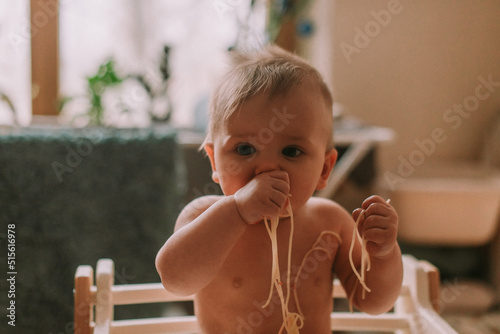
(289, 133)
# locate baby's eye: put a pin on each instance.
(291, 152)
(245, 149)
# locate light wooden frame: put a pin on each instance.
(414, 311)
(44, 19)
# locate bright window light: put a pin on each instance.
(15, 64)
(134, 33)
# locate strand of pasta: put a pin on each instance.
(365, 259)
(364, 255)
(315, 247)
(292, 322)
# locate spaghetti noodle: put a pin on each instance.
(315, 247)
(292, 322)
(365, 259)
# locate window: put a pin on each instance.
(70, 39)
(134, 34)
(15, 62)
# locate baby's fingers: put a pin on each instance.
(380, 234)
(356, 213)
(380, 210)
(380, 242)
(277, 180)
(279, 199)
(281, 186)
(375, 199)
(278, 174)
(381, 220)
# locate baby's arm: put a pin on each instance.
(379, 228)
(205, 232)
(209, 227)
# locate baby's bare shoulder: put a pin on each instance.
(327, 213)
(195, 208)
(325, 207)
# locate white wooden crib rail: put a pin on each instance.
(415, 311)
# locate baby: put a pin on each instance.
(270, 147)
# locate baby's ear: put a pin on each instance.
(209, 148)
(330, 159)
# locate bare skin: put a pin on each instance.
(221, 251)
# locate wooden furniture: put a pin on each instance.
(414, 311)
(359, 139)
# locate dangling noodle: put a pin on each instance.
(292, 321)
(365, 259)
(315, 247)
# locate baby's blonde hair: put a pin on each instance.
(271, 70)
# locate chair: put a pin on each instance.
(415, 311)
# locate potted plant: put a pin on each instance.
(115, 99)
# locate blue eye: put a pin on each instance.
(291, 152)
(245, 149)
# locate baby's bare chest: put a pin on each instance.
(245, 280)
(306, 266)
(299, 246)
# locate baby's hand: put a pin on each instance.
(379, 226)
(263, 197)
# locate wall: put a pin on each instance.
(411, 66)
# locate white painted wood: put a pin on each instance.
(361, 321)
(179, 324)
(413, 311)
(105, 278)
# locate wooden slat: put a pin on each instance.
(124, 294)
(144, 293)
(105, 279)
(338, 290)
(434, 284)
(83, 299)
(362, 321)
(183, 324)
(155, 293)
(187, 324)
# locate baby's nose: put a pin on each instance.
(266, 166)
